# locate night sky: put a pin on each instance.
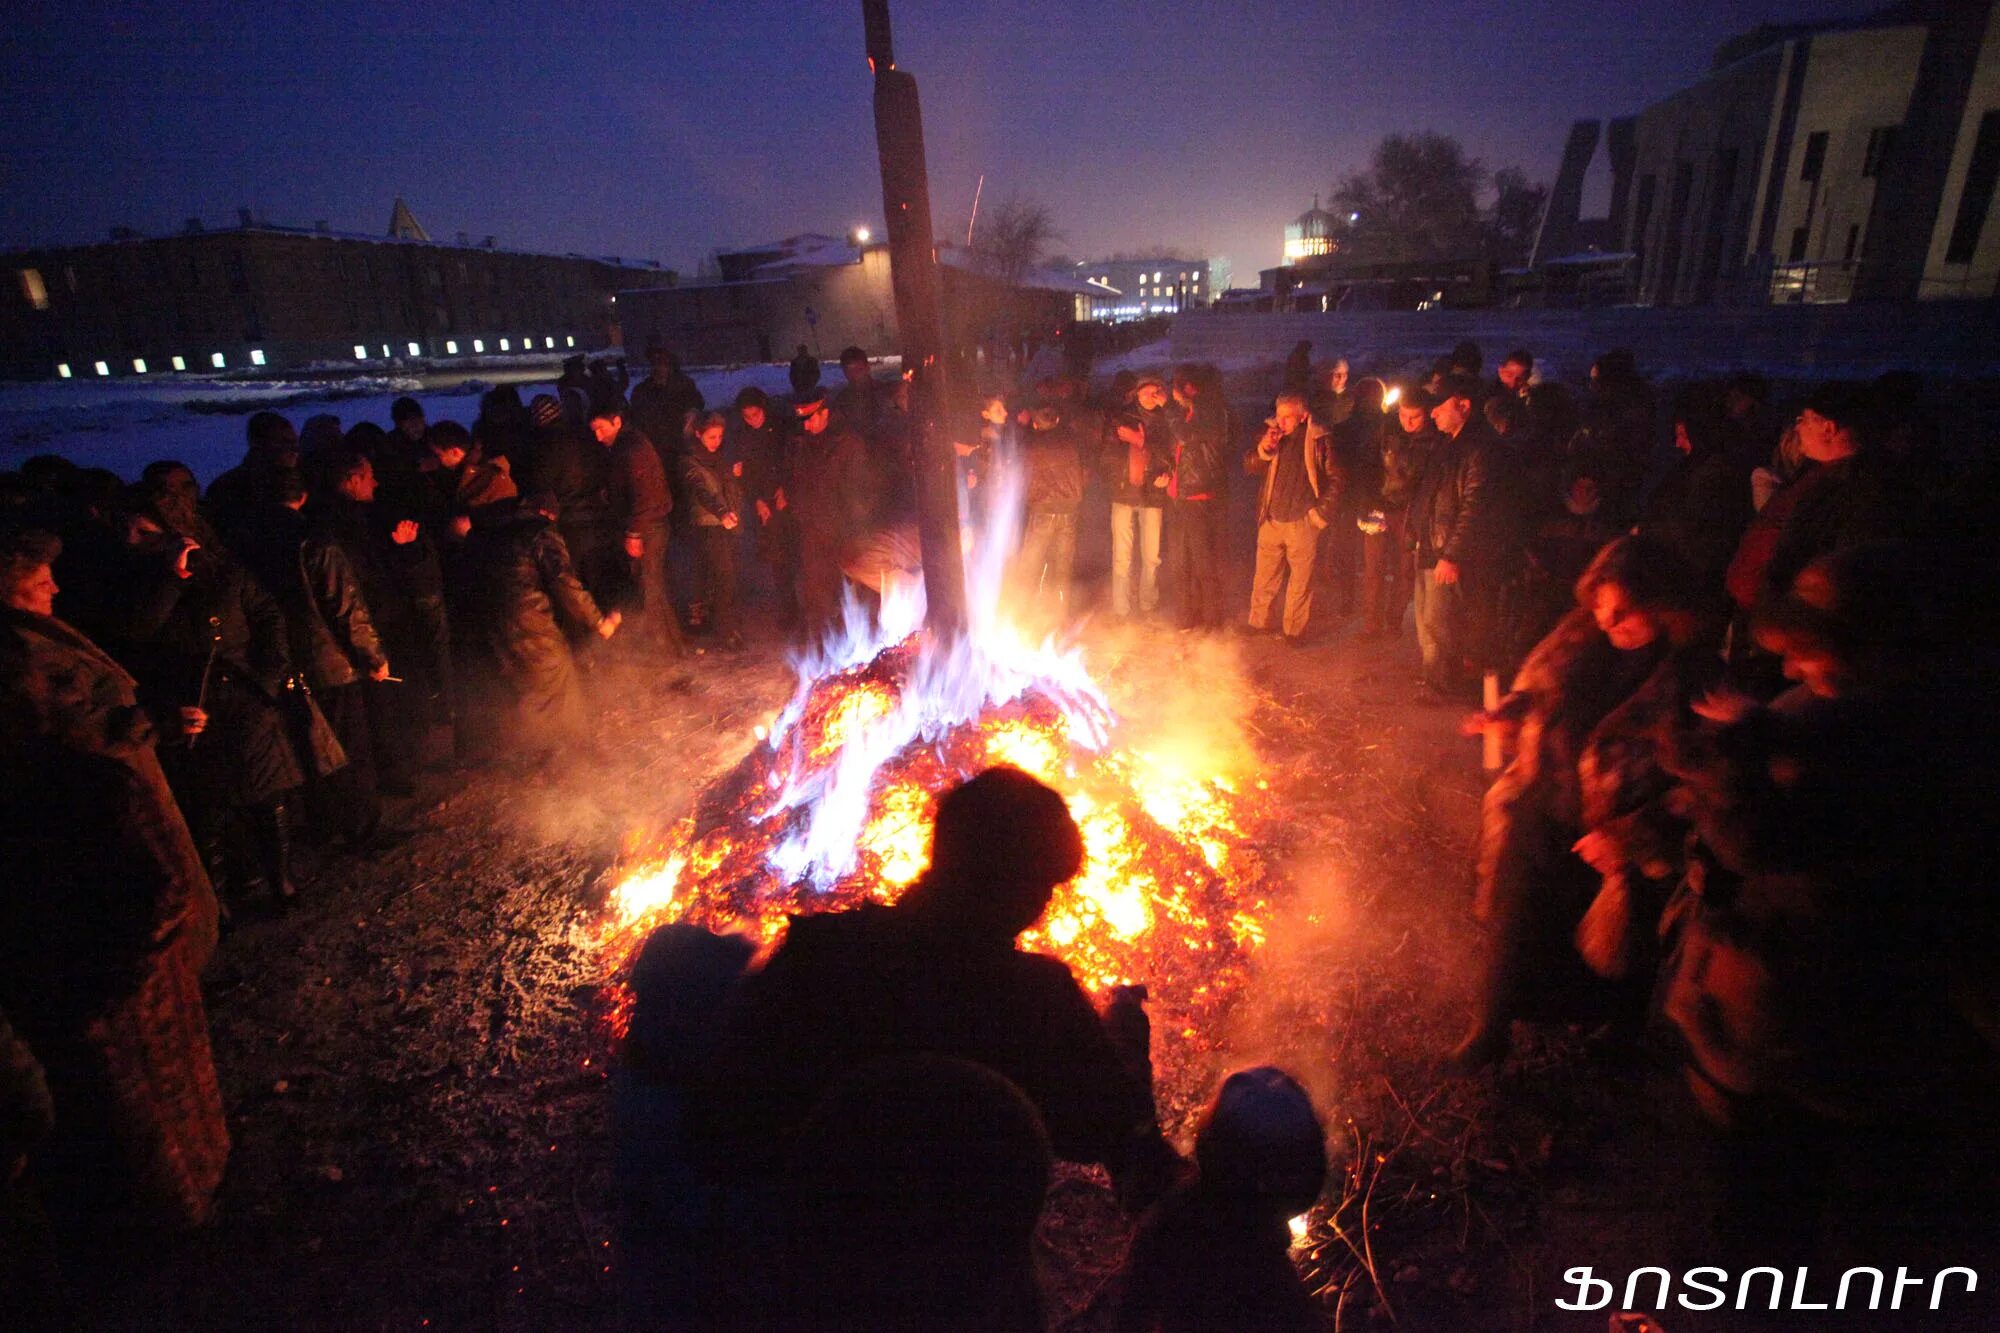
(667, 130)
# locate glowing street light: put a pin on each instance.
(861, 235)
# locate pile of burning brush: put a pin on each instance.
(832, 807)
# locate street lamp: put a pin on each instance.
(861, 235)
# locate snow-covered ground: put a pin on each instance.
(123, 424)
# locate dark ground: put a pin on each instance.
(415, 1068)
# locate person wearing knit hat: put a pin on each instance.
(1216, 1252)
(544, 410)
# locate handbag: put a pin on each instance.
(312, 735)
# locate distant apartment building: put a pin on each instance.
(1815, 163)
(1128, 289)
(831, 292)
(263, 296)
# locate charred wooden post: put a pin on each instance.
(913, 269)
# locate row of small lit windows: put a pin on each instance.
(361, 352)
(1158, 277)
(216, 360)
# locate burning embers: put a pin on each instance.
(834, 806)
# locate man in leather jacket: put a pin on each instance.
(1450, 531)
(1195, 493)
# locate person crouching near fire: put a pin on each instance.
(936, 974)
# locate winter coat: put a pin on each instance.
(637, 496)
(848, 987)
(1132, 475)
(167, 636)
(1201, 441)
(528, 596)
(1054, 471)
(106, 921)
(330, 631)
(1809, 965)
(766, 462)
(1403, 461)
(572, 467)
(1324, 473)
(469, 490)
(1532, 814)
(660, 409)
(836, 491)
(1701, 508)
(1451, 514)
(712, 486)
(803, 372)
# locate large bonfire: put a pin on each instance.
(832, 807)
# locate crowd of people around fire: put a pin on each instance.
(1750, 715)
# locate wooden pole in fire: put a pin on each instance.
(913, 272)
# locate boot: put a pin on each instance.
(213, 848)
(272, 827)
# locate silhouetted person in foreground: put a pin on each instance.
(916, 1186)
(939, 973)
(1215, 1254)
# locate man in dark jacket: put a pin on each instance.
(858, 401)
(763, 450)
(1136, 465)
(569, 465)
(333, 643)
(662, 403)
(1195, 492)
(528, 596)
(1054, 492)
(1450, 532)
(1386, 570)
(1299, 497)
(236, 498)
(639, 503)
(198, 632)
(835, 497)
(804, 370)
(937, 973)
(712, 480)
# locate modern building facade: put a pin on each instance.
(1818, 163)
(263, 296)
(1143, 288)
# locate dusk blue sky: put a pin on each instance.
(667, 130)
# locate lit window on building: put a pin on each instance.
(1157, 276)
(180, 363)
(256, 356)
(33, 289)
(62, 370)
(138, 365)
(569, 341)
(416, 350)
(385, 351)
(103, 369)
(549, 342)
(360, 352)
(503, 345)
(478, 345)
(450, 347)
(217, 360)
